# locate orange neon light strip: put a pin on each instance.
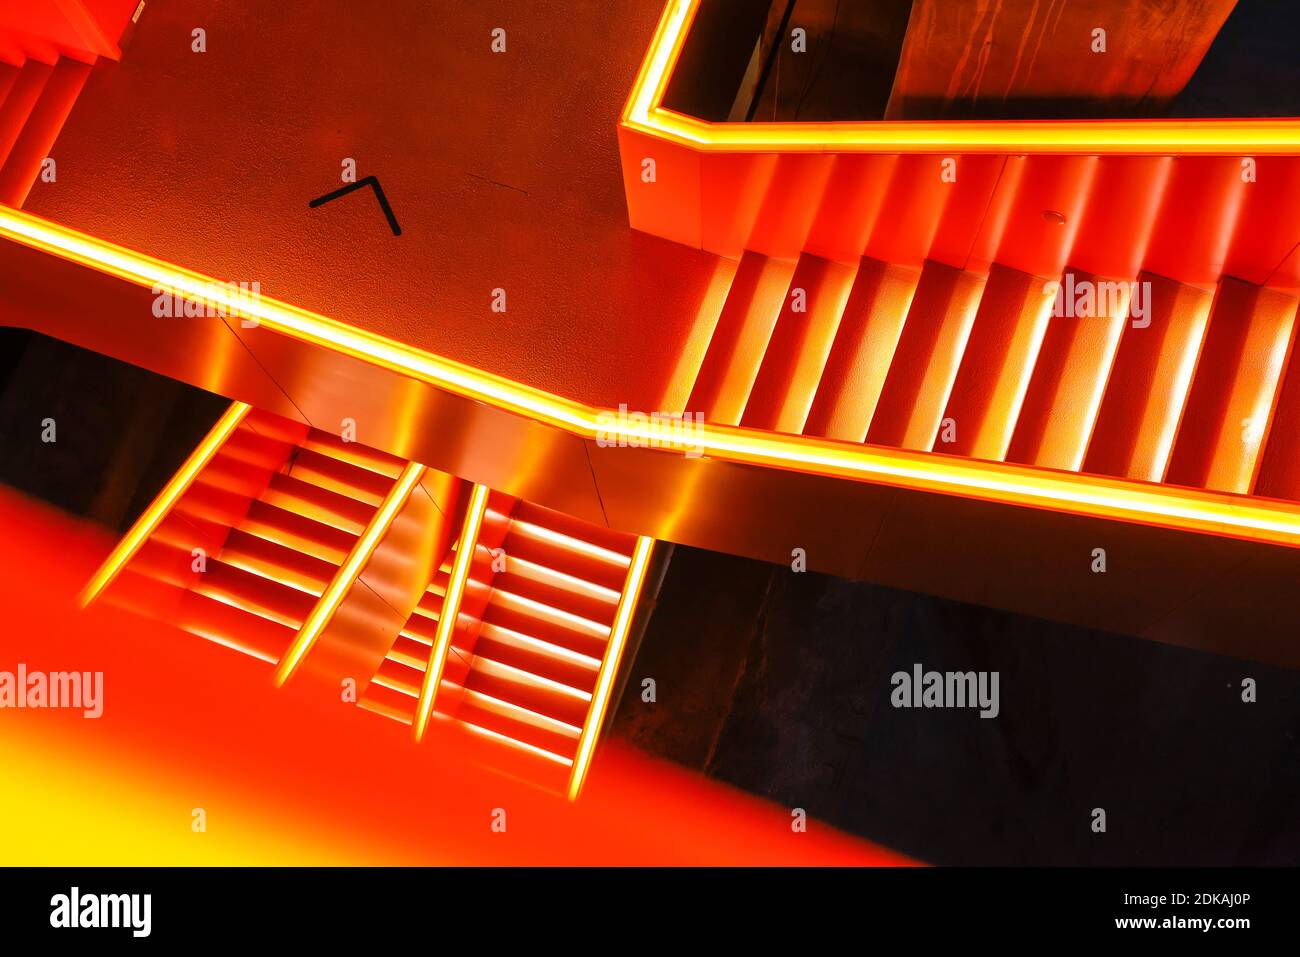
(1188, 509)
(450, 609)
(609, 664)
(644, 113)
(158, 509)
(348, 572)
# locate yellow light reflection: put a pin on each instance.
(1192, 509)
(338, 587)
(153, 515)
(609, 665)
(450, 608)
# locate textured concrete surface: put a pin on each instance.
(502, 169)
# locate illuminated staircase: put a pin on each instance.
(262, 527)
(934, 358)
(276, 511)
(523, 674)
(35, 100)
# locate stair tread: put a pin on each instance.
(45, 120)
(296, 531)
(797, 351)
(1065, 391)
(18, 105)
(253, 593)
(1234, 389)
(354, 453)
(338, 476)
(263, 556)
(740, 338)
(1149, 384)
(925, 363)
(322, 505)
(862, 352)
(528, 691)
(997, 364)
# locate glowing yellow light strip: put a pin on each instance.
(645, 114)
(290, 320)
(334, 594)
(152, 516)
(450, 608)
(1166, 506)
(609, 664)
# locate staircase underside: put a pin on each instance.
(894, 345)
(500, 620)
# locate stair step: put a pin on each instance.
(140, 593)
(189, 532)
(558, 589)
(925, 363)
(321, 505)
(269, 559)
(519, 725)
(619, 544)
(740, 339)
(1279, 471)
(528, 691)
(211, 503)
(395, 676)
(388, 703)
(235, 476)
(256, 449)
(1064, 396)
(164, 562)
(233, 627)
(19, 104)
(44, 122)
(421, 628)
(8, 76)
(1149, 384)
(354, 453)
(796, 354)
(287, 528)
(864, 347)
(1233, 392)
(545, 624)
(431, 601)
(537, 657)
(997, 364)
(253, 593)
(410, 652)
(338, 476)
(539, 547)
(515, 759)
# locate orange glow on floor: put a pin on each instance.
(187, 725)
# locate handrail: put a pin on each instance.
(645, 113)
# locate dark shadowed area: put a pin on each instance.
(780, 684)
